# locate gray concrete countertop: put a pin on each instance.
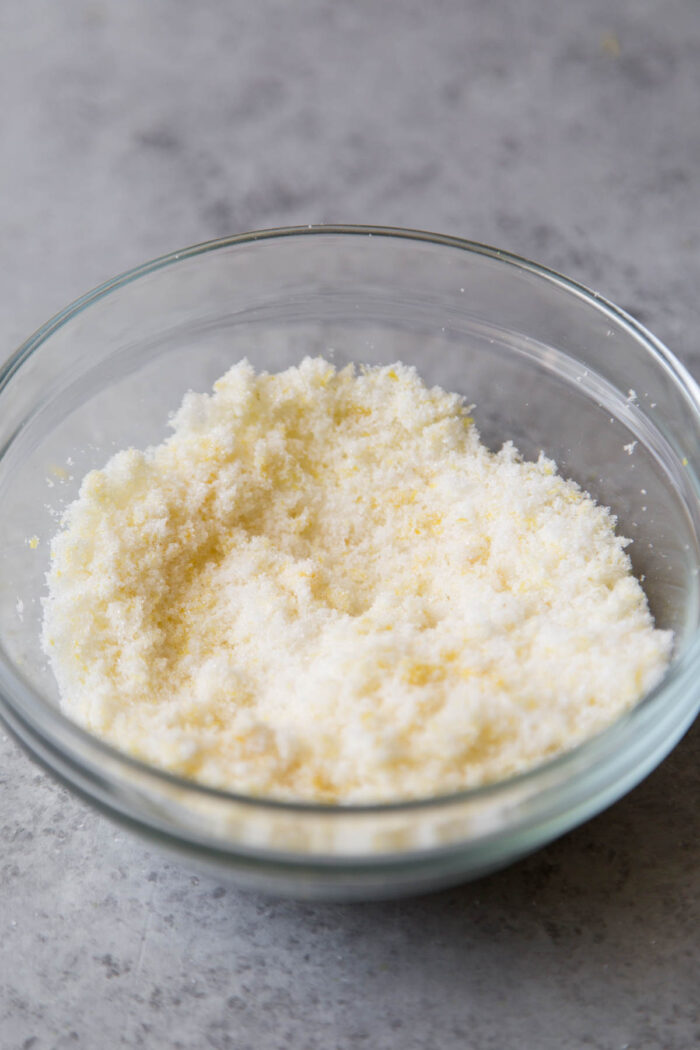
(567, 133)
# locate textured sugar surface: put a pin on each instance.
(323, 586)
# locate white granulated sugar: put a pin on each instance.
(323, 586)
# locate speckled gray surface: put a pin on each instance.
(568, 133)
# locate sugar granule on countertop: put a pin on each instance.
(324, 586)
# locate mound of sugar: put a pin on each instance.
(323, 586)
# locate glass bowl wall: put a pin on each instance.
(547, 365)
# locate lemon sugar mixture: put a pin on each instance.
(323, 586)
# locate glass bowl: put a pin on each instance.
(547, 363)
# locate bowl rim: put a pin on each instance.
(47, 721)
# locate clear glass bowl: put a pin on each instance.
(547, 363)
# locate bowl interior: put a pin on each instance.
(546, 366)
